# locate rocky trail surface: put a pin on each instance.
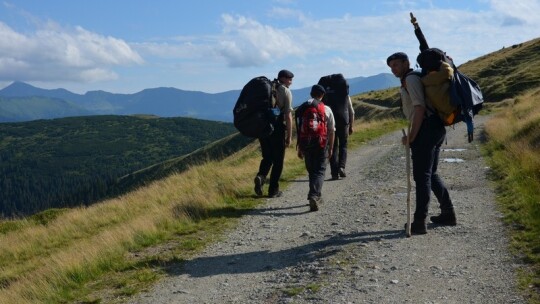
(354, 249)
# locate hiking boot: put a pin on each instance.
(313, 206)
(259, 182)
(274, 194)
(447, 218)
(417, 227)
(342, 172)
(335, 177)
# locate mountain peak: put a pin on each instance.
(23, 89)
(19, 89)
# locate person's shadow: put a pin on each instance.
(298, 209)
(264, 260)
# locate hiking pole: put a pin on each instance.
(408, 169)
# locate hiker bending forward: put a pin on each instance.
(425, 137)
(315, 126)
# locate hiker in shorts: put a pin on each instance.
(315, 127)
(273, 146)
(427, 133)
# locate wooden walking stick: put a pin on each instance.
(408, 169)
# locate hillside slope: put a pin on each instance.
(78, 161)
(508, 72)
(503, 74)
(13, 109)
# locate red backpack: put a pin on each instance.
(311, 125)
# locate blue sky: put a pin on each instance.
(125, 46)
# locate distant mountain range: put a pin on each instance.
(23, 102)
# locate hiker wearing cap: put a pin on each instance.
(315, 126)
(273, 146)
(425, 138)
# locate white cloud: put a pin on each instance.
(54, 53)
(285, 13)
(93, 75)
(188, 48)
(247, 42)
(518, 12)
(354, 44)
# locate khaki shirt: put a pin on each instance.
(412, 96)
(284, 99)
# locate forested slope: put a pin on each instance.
(77, 161)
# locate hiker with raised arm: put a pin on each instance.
(454, 96)
(425, 138)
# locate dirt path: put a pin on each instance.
(354, 250)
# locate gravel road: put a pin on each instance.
(354, 249)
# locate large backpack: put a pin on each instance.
(255, 111)
(336, 97)
(311, 125)
(465, 94)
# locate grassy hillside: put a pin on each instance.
(512, 151)
(504, 74)
(508, 72)
(13, 109)
(377, 105)
(72, 161)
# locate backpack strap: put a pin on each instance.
(430, 110)
(275, 85)
(317, 105)
(409, 72)
(298, 120)
(320, 111)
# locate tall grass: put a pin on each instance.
(118, 247)
(514, 154)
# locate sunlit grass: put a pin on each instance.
(513, 152)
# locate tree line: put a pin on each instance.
(77, 161)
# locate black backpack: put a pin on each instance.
(336, 97)
(255, 112)
(465, 94)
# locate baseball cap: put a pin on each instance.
(398, 55)
(285, 73)
(318, 88)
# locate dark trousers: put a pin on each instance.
(339, 157)
(425, 159)
(315, 160)
(273, 154)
